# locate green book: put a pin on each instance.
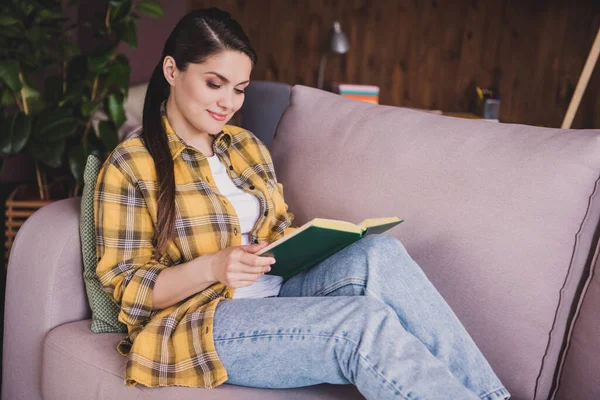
(318, 239)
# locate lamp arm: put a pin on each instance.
(322, 71)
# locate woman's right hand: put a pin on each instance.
(238, 266)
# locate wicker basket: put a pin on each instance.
(17, 211)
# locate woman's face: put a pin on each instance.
(207, 95)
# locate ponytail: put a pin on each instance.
(155, 140)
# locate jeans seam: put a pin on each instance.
(346, 282)
(498, 390)
(322, 336)
(340, 284)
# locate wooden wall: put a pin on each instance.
(433, 53)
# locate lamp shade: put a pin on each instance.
(339, 42)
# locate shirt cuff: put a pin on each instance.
(136, 303)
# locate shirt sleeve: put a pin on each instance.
(124, 245)
(290, 215)
(266, 155)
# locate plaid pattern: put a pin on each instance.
(174, 346)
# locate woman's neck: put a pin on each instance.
(201, 141)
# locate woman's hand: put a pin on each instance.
(238, 266)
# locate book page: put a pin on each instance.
(373, 222)
(332, 224)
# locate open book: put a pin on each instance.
(318, 239)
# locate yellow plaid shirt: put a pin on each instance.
(175, 346)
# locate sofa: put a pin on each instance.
(503, 219)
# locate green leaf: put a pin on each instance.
(29, 90)
(118, 73)
(98, 63)
(71, 95)
(6, 99)
(119, 9)
(9, 73)
(49, 154)
(88, 107)
(150, 8)
(15, 133)
(108, 135)
(116, 110)
(126, 31)
(77, 158)
(8, 20)
(54, 124)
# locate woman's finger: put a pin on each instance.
(255, 261)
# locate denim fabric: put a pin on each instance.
(368, 316)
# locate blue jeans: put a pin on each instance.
(366, 315)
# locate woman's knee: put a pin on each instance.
(383, 251)
(370, 316)
(382, 243)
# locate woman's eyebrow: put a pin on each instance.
(221, 77)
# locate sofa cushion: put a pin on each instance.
(79, 364)
(105, 311)
(579, 375)
(501, 217)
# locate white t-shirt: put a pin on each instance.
(247, 209)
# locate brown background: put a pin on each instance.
(432, 54)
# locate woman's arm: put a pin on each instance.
(235, 266)
(181, 281)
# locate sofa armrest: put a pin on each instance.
(44, 289)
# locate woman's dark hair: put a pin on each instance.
(196, 37)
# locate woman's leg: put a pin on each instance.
(293, 342)
(379, 266)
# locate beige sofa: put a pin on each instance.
(503, 219)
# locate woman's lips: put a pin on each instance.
(218, 117)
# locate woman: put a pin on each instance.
(181, 212)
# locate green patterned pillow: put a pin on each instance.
(104, 310)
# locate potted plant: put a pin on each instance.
(52, 94)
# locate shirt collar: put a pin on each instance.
(177, 144)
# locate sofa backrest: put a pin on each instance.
(502, 218)
(263, 106)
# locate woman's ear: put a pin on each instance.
(170, 70)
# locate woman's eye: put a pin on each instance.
(212, 85)
(239, 91)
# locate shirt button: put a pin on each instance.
(255, 241)
(231, 167)
(266, 213)
(251, 187)
(227, 295)
(235, 230)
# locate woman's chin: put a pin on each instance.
(214, 129)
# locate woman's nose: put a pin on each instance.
(226, 101)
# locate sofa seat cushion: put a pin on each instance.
(81, 364)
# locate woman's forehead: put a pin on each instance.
(234, 66)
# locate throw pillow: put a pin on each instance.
(104, 310)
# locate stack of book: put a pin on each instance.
(366, 93)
